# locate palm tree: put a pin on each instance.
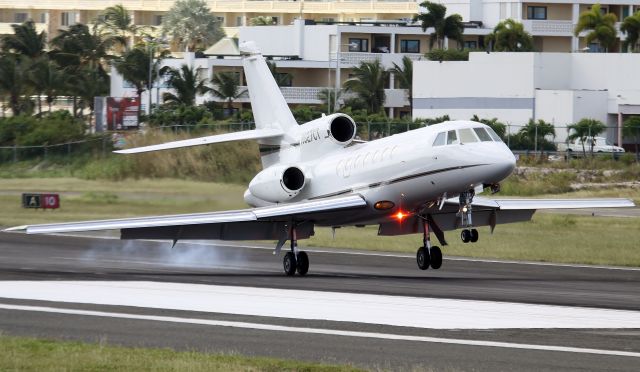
(80, 46)
(191, 24)
(586, 129)
(368, 83)
(510, 36)
(117, 21)
(282, 79)
(14, 82)
(602, 27)
(631, 27)
(48, 79)
(534, 131)
(631, 128)
(87, 83)
(404, 77)
(25, 40)
(134, 68)
(185, 83)
(226, 87)
(450, 27)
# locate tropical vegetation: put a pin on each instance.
(584, 130)
(631, 27)
(510, 36)
(191, 25)
(368, 83)
(450, 27)
(404, 78)
(601, 27)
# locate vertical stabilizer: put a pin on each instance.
(270, 110)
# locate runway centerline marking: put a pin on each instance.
(322, 331)
(401, 311)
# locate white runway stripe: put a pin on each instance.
(433, 313)
(333, 332)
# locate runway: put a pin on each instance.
(376, 311)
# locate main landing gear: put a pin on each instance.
(469, 234)
(428, 255)
(295, 260)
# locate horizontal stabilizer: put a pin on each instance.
(227, 137)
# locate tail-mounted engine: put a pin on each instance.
(278, 183)
(327, 133)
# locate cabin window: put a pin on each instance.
(467, 136)
(482, 134)
(452, 138)
(494, 135)
(440, 139)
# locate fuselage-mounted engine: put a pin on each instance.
(278, 183)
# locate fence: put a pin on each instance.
(539, 146)
(98, 147)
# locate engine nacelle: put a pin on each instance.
(278, 183)
(336, 130)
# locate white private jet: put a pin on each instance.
(318, 174)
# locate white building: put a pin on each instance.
(560, 88)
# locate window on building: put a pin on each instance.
(157, 19)
(220, 20)
(409, 46)
(275, 20)
(284, 78)
(358, 45)
(239, 21)
(20, 17)
(43, 17)
(471, 44)
(536, 12)
(65, 19)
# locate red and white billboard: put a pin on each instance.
(122, 113)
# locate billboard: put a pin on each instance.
(122, 113)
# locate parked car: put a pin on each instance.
(599, 144)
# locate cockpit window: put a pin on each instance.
(440, 139)
(452, 138)
(482, 134)
(467, 136)
(494, 135)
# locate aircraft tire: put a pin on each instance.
(423, 259)
(465, 235)
(474, 235)
(436, 258)
(289, 263)
(303, 263)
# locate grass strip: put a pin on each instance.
(31, 354)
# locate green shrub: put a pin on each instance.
(448, 55)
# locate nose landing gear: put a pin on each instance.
(469, 234)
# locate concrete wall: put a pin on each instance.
(561, 88)
(278, 41)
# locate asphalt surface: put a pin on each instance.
(37, 258)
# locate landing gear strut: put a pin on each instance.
(428, 255)
(469, 234)
(295, 260)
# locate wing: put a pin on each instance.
(492, 212)
(220, 138)
(247, 224)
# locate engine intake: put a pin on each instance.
(342, 129)
(293, 179)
